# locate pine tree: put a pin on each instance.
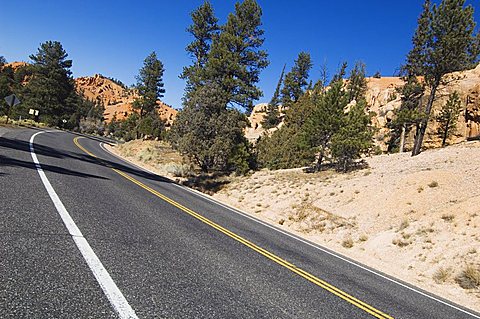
(51, 89)
(226, 70)
(409, 113)
(296, 80)
(6, 85)
(150, 85)
(354, 137)
(448, 117)
(203, 29)
(421, 40)
(236, 59)
(326, 119)
(272, 118)
(445, 42)
(357, 85)
(208, 134)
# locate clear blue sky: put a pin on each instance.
(113, 37)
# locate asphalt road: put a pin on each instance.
(162, 250)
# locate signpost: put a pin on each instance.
(11, 100)
(34, 113)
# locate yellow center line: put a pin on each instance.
(304, 274)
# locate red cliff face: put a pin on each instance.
(117, 98)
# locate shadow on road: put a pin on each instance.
(43, 150)
(7, 161)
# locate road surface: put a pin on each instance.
(84, 234)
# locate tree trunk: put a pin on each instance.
(402, 138)
(445, 134)
(319, 161)
(417, 147)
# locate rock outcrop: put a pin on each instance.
(383, 99)
(16, 65)
(117, 98)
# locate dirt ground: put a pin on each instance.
(417, 219)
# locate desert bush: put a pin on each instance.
(433, 184)
(448, 217)
(404, 224)
(363, 237)
(442, 275)
(347, 242)
(92, 126)
(469, 278)
(179, 170)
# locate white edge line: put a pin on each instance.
(316, 246)
(113, 293)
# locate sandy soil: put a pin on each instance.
(417, 219)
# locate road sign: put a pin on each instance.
(36, 112)
(12, 100)
(31, 111)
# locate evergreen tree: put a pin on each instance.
(448, 117)
(150, 88)
(236, 59)
(354, 137)
(357, 85)
(282, 150)
(421, 40)
(149, 85)
(340, 74)
(445, 42)
(409, 113)
(326, 118)
(226, 69)
(272, 118)
(296, 80)
(51, 88)
(203, 29)
(207, 133)
(6, 85)
(319, 124)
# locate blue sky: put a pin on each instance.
(113, 37)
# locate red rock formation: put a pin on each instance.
(116, 98)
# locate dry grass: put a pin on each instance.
(347, 242)
(155, 153)
(25, 122)
(179, 170)
(469, 278)
(404, 224)
(403, 241)
(448, 217)
(442, 275)
(363, 237)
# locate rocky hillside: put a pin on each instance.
(16, 65)
(383, 100)
(117, 98)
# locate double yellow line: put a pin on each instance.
(317, 281)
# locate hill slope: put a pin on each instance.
(117, 98)
(383, 99)
(416, 218)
